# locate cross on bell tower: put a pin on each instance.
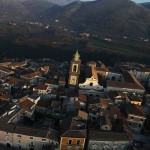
(74, 70)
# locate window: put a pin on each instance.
(74, 68)
(19, 136)
(141, 119)
(31, 144)
(43, 145)
(69, 142)
(78, 142)
(7, 138)
(94, 146)
(113, 78)
(105, 147)
(122, 147)
(91, 84)
(131, 117)
(31, 137)
(43, 139)
(115, 147)
(139, 125)
(19, 141)
(106, 128)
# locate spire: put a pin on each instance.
(76, 56)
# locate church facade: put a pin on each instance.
(91, 85)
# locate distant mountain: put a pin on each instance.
(57, 2)
(62, 2)
(105, 17)
(108, 17)
(147, 5)
(13, 10)
(37, 7)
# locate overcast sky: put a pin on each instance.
(141, 1)
(138, 1)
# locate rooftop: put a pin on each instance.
(5, 97)
(44, 103)
(27, 104)
(137, 110)
(31, 75)
(133, 97)
(6, 70)
(82, 98)
(124, 85)
(107, 136)
(41, 87)
(114, 94)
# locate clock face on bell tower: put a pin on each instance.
(74, 70)
(73, 80)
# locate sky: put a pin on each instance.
(138, 1)
(141, 1)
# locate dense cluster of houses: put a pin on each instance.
(44, 105)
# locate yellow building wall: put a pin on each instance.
(64, 143)
(135, 102)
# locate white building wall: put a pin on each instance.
(34, 100)
(114, 76)
(125, 90)
(6, 138)
(25, 141)
(142, 76)
(90, 83)
(102, 145)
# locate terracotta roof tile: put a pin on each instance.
(27, 104)
(75, 134)
(124, 85)
(6, 70)
(41, 87)
(31, 75)
(82, 98)
(5, 97)
(136, 110)
(44, 103)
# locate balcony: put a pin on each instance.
(73, 146)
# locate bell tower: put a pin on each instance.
(74, 70)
